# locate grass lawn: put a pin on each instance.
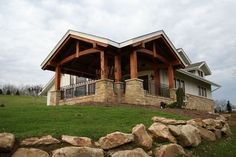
(29, 116)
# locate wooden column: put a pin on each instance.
(133, 65)
(156, 78)
(171, 76)
(103, 60)
(58, 78)
(117, 68)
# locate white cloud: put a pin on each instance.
(30, 29)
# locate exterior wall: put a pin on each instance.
(191, 85)
(199, 103)
(49, 94)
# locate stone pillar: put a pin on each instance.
(119, 91)
(104, 91)
(134, 92)
(55, 96)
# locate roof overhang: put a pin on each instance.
(184, 56)
(72, 33)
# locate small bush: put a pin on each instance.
(17, 92)
(180, 99)
(8, 92)
(1, 92)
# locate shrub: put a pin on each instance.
(8, 92)
(1, 91)
(17, 92)
(180, 97)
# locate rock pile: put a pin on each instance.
(141, 142)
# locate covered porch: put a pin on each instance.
(137, 73)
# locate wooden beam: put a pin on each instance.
(146, 51)
(154, 49)
(77, 49)
(156, 78)
(117, 68)
(176, 62)
(133, 65)
(89, 51)
(89, 40)
(77, 71)
(171, 76)
(103, 65)
(58, 78)
(67, 59)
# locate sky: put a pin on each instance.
(29, 30)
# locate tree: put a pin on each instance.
(8, 92)
(1, 92)
(229, 108)
(180, 97)
(17, 92)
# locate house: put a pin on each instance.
(144, 70)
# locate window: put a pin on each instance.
(200, 73)
(179, 83)
(80, 79)
(72, 80)
(202, 91)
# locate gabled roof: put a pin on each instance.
(199, 65)
(103, 40)
(184, 56)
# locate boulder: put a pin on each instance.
(210, 124)
(30, 152)
(226, 130)
(227, 116)
(77, 152)
(141, 136)
(138, 152)
(196, 122)
(168, 121)
(77, 141)
(169, 150)
(218, 133)
(206, 134)
(221, 118)
(189, 136)
(175, 129)
(7, 141)
(44, 140)
(161, 132)
(115, 139)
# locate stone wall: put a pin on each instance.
(199, 103)
(164, 138)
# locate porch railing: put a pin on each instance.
(160, 90)
(77, 90)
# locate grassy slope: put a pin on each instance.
(27, 116)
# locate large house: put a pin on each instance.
(145, 70)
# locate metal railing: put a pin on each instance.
(79, 89)
(158, 90)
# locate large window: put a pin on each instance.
(202, 91)
(80, 79)
(179, 84)
(200, 73)
(72, 80)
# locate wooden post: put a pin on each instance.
(117, 68)
(103, 60)
(133, 65)
(156, 78)
(58, 78)
(171, 76)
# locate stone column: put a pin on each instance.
(104, 91)
(134, 92)
(55, 96)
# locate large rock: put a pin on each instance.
(196, 122)
(218, 133)
(161, 132)
(226, 130)
(44, 140)
(77, 152)
(221, 118)
(77, 141)
(210, 124)
(175, 129)
(189, 136)
(141, 136)
(138, 152)
(206, 134)
(169, 150)
(7, 141)
(115, 139)
(30, 152)
(168, 121)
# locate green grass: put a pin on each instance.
(28, 116)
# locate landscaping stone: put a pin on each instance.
(78, 152)
(169, 150)
(206, 134)
(226, 130)
(115, 139)
(7, 141)
(30, 152)
(210, 124)
(138, 152)
(141, 136)
(161, 132)
(175, 129)
(44, 140)
(168, 121)
(221, 118)
(77, 141)
(189, 136)
(196, 122)
(218, 133)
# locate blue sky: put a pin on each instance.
(204, 29)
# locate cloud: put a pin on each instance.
(30, 29)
